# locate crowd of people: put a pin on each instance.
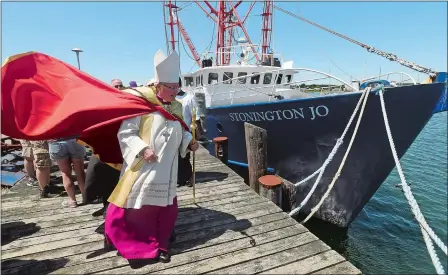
(139, 194)
(66, 153)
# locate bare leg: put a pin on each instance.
(43, 176)
(78, 166)
(29, 167)
(66, 171)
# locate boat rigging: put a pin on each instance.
(390, 56)
(226, 17)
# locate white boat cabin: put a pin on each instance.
(239, 84)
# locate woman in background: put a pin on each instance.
(66, 152)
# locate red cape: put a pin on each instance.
(43, 98)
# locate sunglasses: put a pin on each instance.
(170, 87)
(118, 86)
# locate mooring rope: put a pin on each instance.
(428, 234)
(426, 230)
(338, 173)
(330, 157)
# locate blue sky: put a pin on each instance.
(119, 39)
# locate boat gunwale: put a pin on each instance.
(357, 93)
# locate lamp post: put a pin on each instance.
(77, 51)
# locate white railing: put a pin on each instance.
(232, 50)
(391, 73)
(238, 88)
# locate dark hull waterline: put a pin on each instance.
(301, 134)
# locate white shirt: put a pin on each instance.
(188, 102)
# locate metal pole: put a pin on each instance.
(193, 131)
(77, 57)
(77, 51)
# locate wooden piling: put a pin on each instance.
(257, 151)
(271, 188)
(289, 197)
(221, 148)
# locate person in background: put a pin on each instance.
(150, 83)
(101, 177)
(28, 163)
(66, 152)
(132, 84)
(185, 168)
(117, 83)
(143, 207)
(37, 157)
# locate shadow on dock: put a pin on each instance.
(15, 230)
(196, 228)
(205, 176)
(31, 266)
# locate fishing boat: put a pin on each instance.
(303, 126)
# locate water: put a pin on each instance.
(385, 238)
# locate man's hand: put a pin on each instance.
(193, 145)
(149, 155)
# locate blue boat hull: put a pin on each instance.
(442, 104)
(301, 134)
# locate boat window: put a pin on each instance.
(288, 78)
(188, 81)
(227, 77)
(202, 80)
(212, 78)
(255, 79)
(279, 79)
(267, 78)
(242, 80)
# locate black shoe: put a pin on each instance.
(189, 183)
(164, 256)
(44, 193)
(108, 246)
(180, 183)
(137, 263)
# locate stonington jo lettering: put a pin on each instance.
(300, 113)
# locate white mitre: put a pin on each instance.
(166, 69)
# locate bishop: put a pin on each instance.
(143, 205)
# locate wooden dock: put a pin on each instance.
(231, 230)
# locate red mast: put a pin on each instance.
(226, 17)
(171, 9)
(267, 28)
(168, 10)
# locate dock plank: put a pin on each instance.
(308, 265)
(229, 230)
(340, 268)
(186, 241)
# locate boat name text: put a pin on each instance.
(300, 113)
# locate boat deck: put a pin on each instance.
(231, 229)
